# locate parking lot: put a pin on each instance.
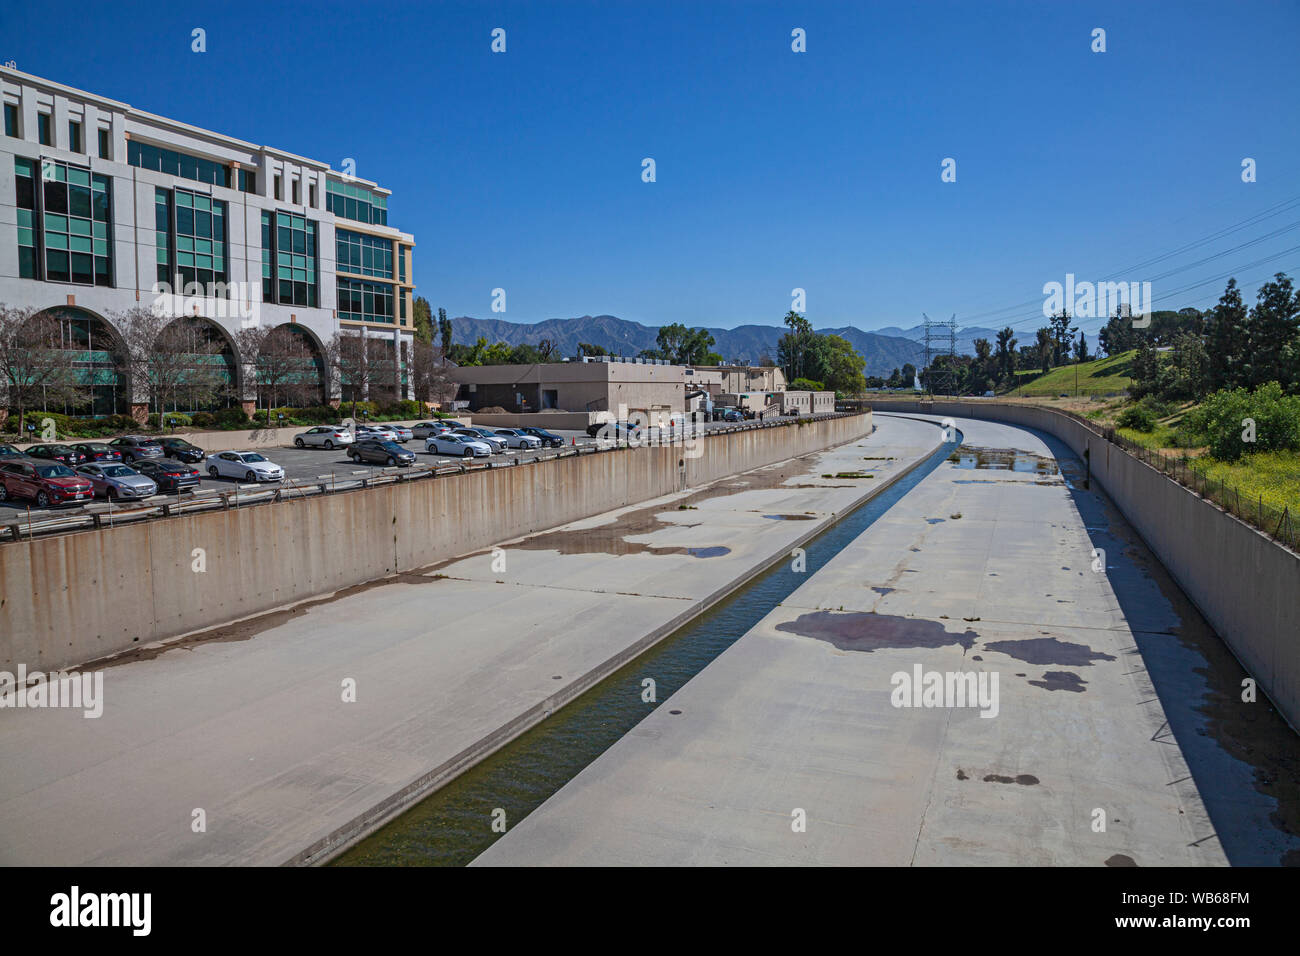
(307, 464)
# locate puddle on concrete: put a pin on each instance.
(1120, 859)
(935, 520)
(714, 552)
(1049, 650)
(1024, 779)
(790, 517)
(861, 631)
(880, 590)
(1061, 680)
(1003, 459)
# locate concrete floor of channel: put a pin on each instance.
(247, 729)
(1120, 736)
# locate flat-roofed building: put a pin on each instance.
(105, 208)
(651, 388)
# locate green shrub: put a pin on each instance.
(405, 408)
(1138, 417)
(166, 420)
(1226, 417)
(203, 420)
(231, 418)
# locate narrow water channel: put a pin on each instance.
(453, 825)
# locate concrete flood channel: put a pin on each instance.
(454, 824)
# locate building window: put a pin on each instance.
(11, 120)
(363, 255)
(190, 235)
(295, 260)
(77, 212)
(357, 203)
(403, 252)
(297, 193)
(365, 301)
(105, 149)
(74, 136)
(268, 250)
(162, 224)
(279, 193)
(401, 301)
(311, 194)
(247, 181)
(25, 200)
(43, 129)
(185, 166)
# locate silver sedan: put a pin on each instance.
(517, 439)
(115, 481)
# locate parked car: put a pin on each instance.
(168, 474)
(63, 454)
(137, 447)
(516, 438)
(45, 482)
(98, 451)
(425, 429)
(549, 439)
(324, 436)
(493, 441)
(453, 443)
(178, 449)
(9, 451)
(452, 424)
(612, 429)
(383, 452)
(734, 415)
(400, 432)
(378, 432)
(114, 480)
(243, 465)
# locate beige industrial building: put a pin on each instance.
(655, 389)
(734, 379)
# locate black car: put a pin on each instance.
(63, 454)
(97, 451)
(178, 449)
(167, 474)
(612, 429)
(383, 452)
(549, 439)
(9, 451)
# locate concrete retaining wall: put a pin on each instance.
(1244, 583)
(71, 598)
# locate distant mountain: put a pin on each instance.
(965, 337)
(745, 343)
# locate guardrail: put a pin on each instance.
(95, 516)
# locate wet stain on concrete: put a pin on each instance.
(1049, 650)
(880, 590)
(1024, 779)
(935, 520)
(1061, 680)
(790, 517)
(714, 552)
(961, 774)
(1120, 859)
(861, 631)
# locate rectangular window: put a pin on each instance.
(199, 234)
(297, 193)
(365, 301)
(25, 200)
(357, 203)
(311, 193)
(162, 199)
(363, 255)
(44, 128)
(279, 193)
(295, 260)
(403, 252)
(173, 163)
(11, 120)
(77, 222)
(247, 181)
(104, 151)
(74, 136)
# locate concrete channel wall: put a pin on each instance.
(1244, 583)
(72, 598)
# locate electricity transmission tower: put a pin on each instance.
(940, 341)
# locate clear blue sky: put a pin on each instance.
(819, 170)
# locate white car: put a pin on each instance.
(495, 442)
(449, 443)
(517, 439)
(377, 432)
(243, 465)
(324, 436)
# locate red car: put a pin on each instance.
(45, 482)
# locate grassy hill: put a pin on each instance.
(1098, 377)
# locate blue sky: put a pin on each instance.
(775, 169)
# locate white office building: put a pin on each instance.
(105, 208)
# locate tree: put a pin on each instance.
(792, 349)
(680, 345)
(283, 365)
(834, 361)
(444, 331)
(1272, 328)
(1062, 335)
(176, 361)
(1006, 354)
(586, 348)
(35, 367)
(423, 319)
(1081, 349)
(1227, 340)
(1046, 347)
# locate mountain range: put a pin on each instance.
(884, 350)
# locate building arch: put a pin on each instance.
(101, 363)
(195, 366)
(291, 368)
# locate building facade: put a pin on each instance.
(651, 388)
(105, 208)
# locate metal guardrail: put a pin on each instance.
(95, 516)
(1280, 525)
